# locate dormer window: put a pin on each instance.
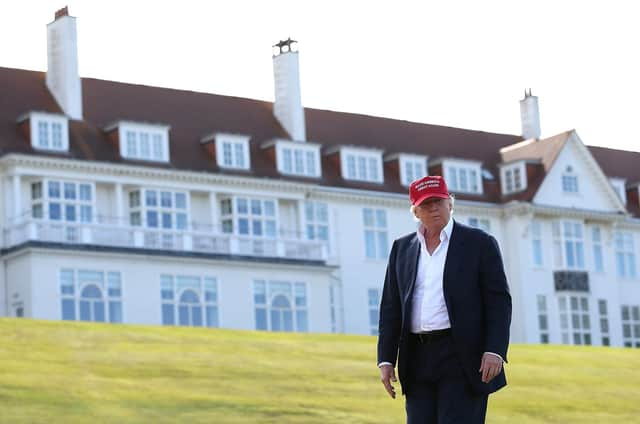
(232, 151)
(412, 167)
(48, 131)
(618, 185)
(514, 178)
(296, 158)
(569, 180)
(463, 176)
(361, 164)
(149, 142)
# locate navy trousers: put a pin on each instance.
(437, 391)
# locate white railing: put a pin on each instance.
(146, 238)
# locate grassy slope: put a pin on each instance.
(77, 372)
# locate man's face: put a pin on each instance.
(434, 213)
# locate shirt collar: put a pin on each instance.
(445, 234)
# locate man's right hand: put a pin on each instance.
(387, 375)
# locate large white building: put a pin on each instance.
(136, 204)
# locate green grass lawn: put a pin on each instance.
(67, 372)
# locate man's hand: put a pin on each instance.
(387, 375)
(490, 367)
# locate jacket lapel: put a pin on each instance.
(413, 254)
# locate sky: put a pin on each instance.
(456, 63)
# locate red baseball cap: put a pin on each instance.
(426, 188)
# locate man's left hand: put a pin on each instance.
(490, 367)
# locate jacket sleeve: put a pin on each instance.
(496, 298)
(390, 321)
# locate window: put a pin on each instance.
(232, 151)
(569, 181)
(295, 158)
(463, 178)
(49, 132)
(317, 221)
(631, 325)
(62, 201)
(604, 322)
(189, 301)
(280, 306)
(536, 243)
(481, 223)
(91, 295)
(248, 217)
(618, 185)
(375, 233)
(596, 239)
(575, 324)
(144, 142)
(625, 255)
(159, 209)
(543, 319)
(568, 245)
(362, 166)
(374, 311)
(514, 178)
(412, 168)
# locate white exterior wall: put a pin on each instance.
(19, 271)
(201, 210)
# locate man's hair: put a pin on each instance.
(412, 209)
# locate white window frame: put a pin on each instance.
(50, 119)
(364, 161)
(106, 285)
(624, 247)
(618, 185)
(630, 325)
(235, 141)
(373, 301)
(537, 252)
(454, 170)
(205, 285)
(605, 328)
(543, 318)
(44, 201)
(508, 178)
(481, 223)
(375, 229)
(561, 240)
(412, 167)
(275, 288)
(154, 133)
(309, 164)
(597, 248)
(569, 180)
(316, 223)
(575, 319)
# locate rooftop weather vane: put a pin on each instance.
(288, 42)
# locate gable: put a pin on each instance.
(594, 190)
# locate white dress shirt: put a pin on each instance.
(429, 310)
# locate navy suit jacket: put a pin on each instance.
(475, 292)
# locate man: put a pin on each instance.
(445, 314)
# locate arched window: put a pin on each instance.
(190, 309)
(281, 314)
(92, 304)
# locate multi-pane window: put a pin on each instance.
(138, 142)
(598, 258)
(296, 159)
(543, 318)
(189, 301)
(513, 179)
(575, 323)
(631, 325)
(625, 255)
(482, 223)
(232, 151)
(604, 322)
(49, 133)
(317, 221)
(280, 306)
(536, 243)
(569, 181)
(248, 217)
(374, 310)
(568, 245)
(362, 166)
(463, 179)
(375, 233)
(412, 169)
(62, 201)
(88, 295)
(159, 209)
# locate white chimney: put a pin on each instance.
(288, 105)
(530, 116)
(63, 80)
